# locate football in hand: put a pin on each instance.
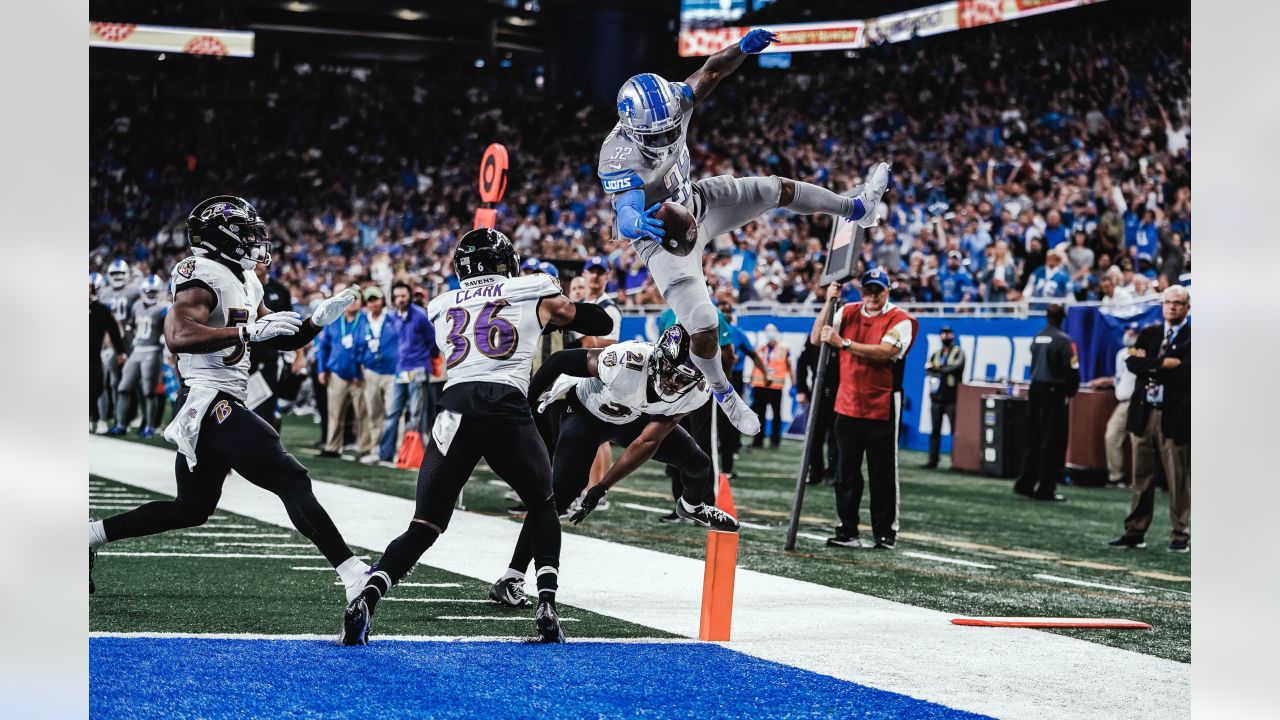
(680, 231)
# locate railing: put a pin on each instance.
(1021, 309)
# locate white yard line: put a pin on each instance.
(400, 585)
(237, 535)
(953, 561)
(269, 545)
(225, 526)
(1009, 673)
(1083, 583)
(394, 598)
(379, 637)
(644, 508)
(491, 617)
(131, 553)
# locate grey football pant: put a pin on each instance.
(139, 376)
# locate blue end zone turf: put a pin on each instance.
(207, 678)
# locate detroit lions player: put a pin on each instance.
(217, 312)
(632, 394)
(118, 295)
(142, 369)
(488, 330)
(645, 161)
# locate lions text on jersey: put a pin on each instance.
(622, 389)
(236, 302)
(488, 330)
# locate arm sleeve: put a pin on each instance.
(629, 206)
(565, 362)
(590, 320)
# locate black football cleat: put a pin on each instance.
(509, 592)
(548, 623)
(357, 621)
(92, 555)
(708, 516)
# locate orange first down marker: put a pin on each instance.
(717, 586)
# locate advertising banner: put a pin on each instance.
(155, 38)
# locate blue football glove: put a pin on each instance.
(635, 224)
(756, 40)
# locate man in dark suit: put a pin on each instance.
(1160, 422)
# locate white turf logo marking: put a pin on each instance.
(1071, 581)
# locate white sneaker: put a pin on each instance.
(872, 191)
(738, 412)
(370, 459)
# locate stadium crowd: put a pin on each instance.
(1067, 179)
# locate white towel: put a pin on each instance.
(184, 431)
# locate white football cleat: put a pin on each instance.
(872, 191)
(738, 413)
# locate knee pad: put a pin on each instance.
(703, 317)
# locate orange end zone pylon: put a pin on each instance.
(717, 586)
(724, 496)
(410, 456)
(1050, 622)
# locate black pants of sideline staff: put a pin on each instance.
(763, 399)
(877, 440)
(1046, 441)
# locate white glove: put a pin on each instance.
(332, 308)
(271, 325)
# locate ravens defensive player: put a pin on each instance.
(645, 161)
(217, 313)
(142, 370)
(633, 394)
(488, 331)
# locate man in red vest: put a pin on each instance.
(870, 340)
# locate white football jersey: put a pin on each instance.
(236, 303)
(620, 391)
(488, 330)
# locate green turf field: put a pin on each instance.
(967, 546)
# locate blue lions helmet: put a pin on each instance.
(151, 288)
(649, 110)
(118, 273)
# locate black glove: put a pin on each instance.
(594, 495)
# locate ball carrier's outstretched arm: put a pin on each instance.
(722, 64)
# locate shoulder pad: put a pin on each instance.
(202, 271)
(530, 287)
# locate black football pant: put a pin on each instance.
(1046, 439)
(697, 485)
(763, 399)
(937, 411)
(876, 440)
(243, 442)
(97, 382)
(578, 434)
(823, 453)
(517, 454)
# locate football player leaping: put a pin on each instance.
(645, 161)
(217, 312)
(489, 330)
(632, 394)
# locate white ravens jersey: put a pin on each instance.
(236, 302)
(623, 167)
(620, 392)
(488, 330)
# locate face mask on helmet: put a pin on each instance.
(669, 367)
(649, 109)
(230, 229)
(658, 145)
(118, 274)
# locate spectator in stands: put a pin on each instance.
(415, 350)
(1001, 277)
(955, 284)
(338, 369)
(872, 337)
(1112, 297)
(1049, 280)
(945, 371)
(377, 352)
(1160, 423)
(768, 380)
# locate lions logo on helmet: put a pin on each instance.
(649, 110)
(669, 367)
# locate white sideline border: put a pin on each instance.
(1005, 672)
